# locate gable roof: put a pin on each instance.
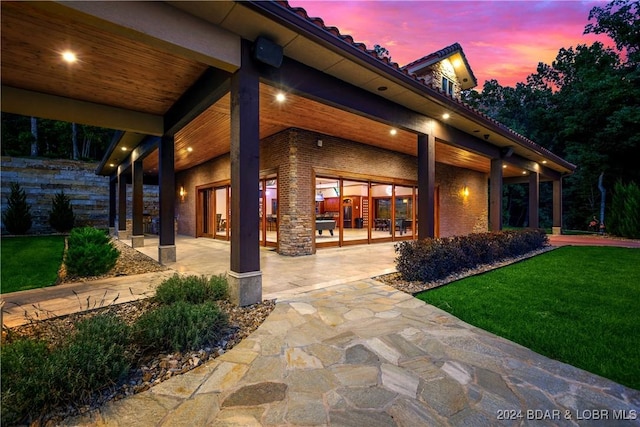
(454, 52)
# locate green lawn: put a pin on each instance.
(579, 305)
(30, 262)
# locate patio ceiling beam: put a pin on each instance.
(160, 25)
(146, 147)
(206, 91)
(292, 75)
(37, 104)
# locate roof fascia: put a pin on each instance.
(295, 22)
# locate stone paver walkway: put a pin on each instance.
(365, 354)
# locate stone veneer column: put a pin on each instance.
(296, 211)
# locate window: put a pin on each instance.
(447, 86)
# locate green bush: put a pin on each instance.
(90, 252)
(433, 259)
(624, 218)
(180, 326)
(192, 289)
(17, 217)
(61, 217)
(36, 379)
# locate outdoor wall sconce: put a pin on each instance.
(183, 193)
(465, 191)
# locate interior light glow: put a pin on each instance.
(446, 116)
(393, 132)
(280, 97)
(69, 56)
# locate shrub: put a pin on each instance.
(624, 218)
(433, 259)
(36, 379)
(180, 326)
(192, 289)
(17, 217)
(90, 252)
(61, 217)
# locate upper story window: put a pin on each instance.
(447, 86)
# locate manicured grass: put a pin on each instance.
(578, 305)
(30, 262)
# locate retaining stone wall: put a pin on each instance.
(41, 179)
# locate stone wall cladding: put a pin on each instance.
(41, 179)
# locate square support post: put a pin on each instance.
(167, 202)
(534, 199)
(426, 185)
(113, 185)
(122, 205)
(137, 237)
(245, 277)
(557, 207)
(495, 195)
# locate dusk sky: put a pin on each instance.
(502, 40)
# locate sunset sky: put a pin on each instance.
(502, 40)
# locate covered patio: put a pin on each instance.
(196, 81)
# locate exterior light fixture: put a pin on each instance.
(111, 165)
(446, 116)
(393, 132)
(182, 193)
(69, 56)
(524, 172)
(456, 63)
(504, 166)
(465, 191)
(280, 97)
(124, 148)
(189, 149)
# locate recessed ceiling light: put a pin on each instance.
(446, 116)
(124, 148)
(393, 131)
(111, 165)
(280, 97)
(69, 56)
(544, 162)
(504, 166)
(189, 149)
(524, 172)
(382, 88)
(456, 63)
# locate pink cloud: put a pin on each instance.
(502, 40)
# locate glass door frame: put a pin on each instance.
(212, 209)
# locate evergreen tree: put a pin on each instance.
(17, 217)
(61, 217)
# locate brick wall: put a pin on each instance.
(215, 170)
(295, 156)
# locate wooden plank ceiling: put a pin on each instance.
(119, 72)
